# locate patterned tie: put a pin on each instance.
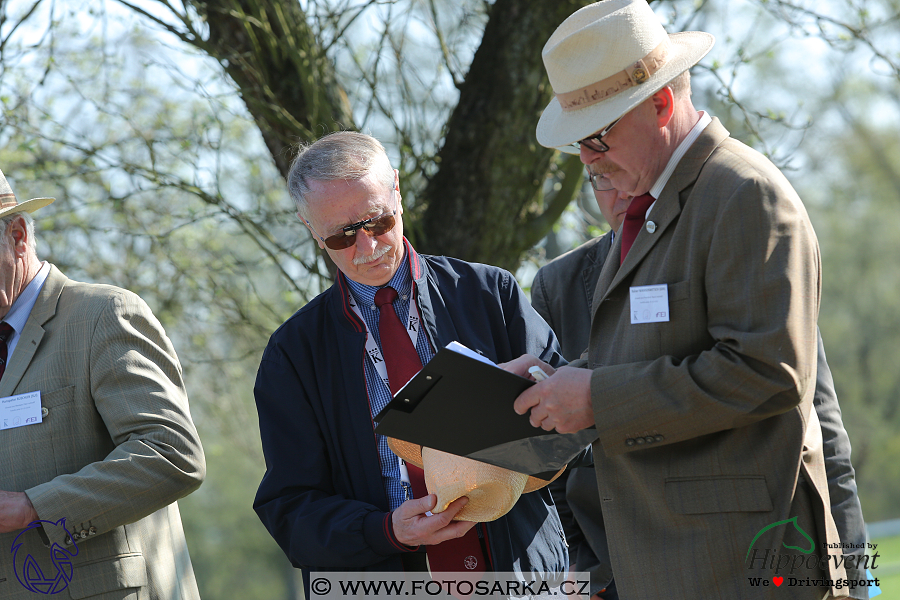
(402, 362)
(6, 331)
(634, 220)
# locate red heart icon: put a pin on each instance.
(777, 581)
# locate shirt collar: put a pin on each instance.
(401, 281)
(680, 151)
(21, 309)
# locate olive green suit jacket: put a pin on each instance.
(115, 449)
(562, 294)
(706, 428)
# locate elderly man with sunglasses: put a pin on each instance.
(334, 496)
(700, 371)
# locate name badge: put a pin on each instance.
(649, 303)
(20, 410)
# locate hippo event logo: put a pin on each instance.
(29, 572)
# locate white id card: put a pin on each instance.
(649, 303)
(20, 410)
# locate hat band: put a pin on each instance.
(7, 200)
(636, 74)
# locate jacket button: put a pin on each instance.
(650, 439)
(659, 438)
(639, 441)
(629, 442)
(84, 533)
(92, 531)
(651, 226)
(68, 541)
(45, 411)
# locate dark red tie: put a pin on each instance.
(634, 220)
(452, 556)
(6, 331)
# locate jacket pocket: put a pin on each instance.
(57, 397)
(703, 495)
(679, 291)
(119, 573)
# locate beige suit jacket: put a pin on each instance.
(115, 450)
(705, 430)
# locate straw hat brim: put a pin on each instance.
(557, 128)
(28, 206)
(412, 453)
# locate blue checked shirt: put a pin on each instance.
(379, 394)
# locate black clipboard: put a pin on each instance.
(463, 406)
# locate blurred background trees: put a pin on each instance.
(164, 129)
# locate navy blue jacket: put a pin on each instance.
(322, 496)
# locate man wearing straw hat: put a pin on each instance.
(561, 294)
(700, 371)
(98, 442)
(335, 497)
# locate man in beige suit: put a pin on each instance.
(701, 366)
(115, 446)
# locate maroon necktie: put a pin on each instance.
(634, 220)
(402, 362)
(6, 331)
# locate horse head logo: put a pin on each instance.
(29, 572)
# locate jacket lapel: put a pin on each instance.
(31, 336)
(665, 212)
(596, 258)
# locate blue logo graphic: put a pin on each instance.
(29, 572)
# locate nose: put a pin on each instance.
(587, 155)
(365, 243)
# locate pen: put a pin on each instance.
(537, 373)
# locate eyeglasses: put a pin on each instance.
(372, 227)
(595, 142)
(601, 183)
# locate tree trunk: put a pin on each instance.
(484, 204)
(284, 77)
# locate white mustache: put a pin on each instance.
(379, 252)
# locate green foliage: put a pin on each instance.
(857, 223)
(888, 571)
(166, 154)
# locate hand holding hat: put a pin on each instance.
(492, 491)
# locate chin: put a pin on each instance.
(380, 274)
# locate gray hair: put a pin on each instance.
(681, 84)
(6, 241)
(344, 155)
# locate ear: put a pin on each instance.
(19, 232)
(311, 231)
(397, 189)
(664, 104)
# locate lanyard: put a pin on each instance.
(372, 349)
(374, 353)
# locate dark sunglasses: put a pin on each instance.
(372, 227)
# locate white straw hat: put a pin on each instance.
(604, 60)
(492, 491)
(9, 204)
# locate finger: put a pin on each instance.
(520, 365)
(446, 516)
(537, 421)
(456, 529)
(413, 508)
(527, 400)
